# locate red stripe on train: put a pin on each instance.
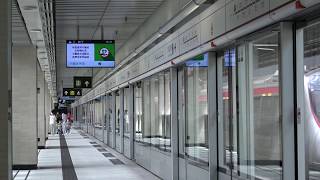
(260, 91)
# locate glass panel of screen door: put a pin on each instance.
(248, 105)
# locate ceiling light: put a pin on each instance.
(35, 30)
(266, 49)
(29, 8)
(267, 45)
(159, 34)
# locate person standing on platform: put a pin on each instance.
(69, 122)
(52, 123)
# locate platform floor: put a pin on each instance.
(79, 157)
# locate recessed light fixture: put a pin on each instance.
(29, 8)
(35, 30)
(267, 45)
(266, 49)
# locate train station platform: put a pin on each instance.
(160, 89)
(77, 156)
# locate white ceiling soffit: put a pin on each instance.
(38, 17)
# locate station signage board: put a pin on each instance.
(82, 82)
(90, 53)
(72, 92)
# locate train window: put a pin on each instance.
(196, 78)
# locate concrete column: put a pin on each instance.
(41, 108)
(5, 79)
(24, 107)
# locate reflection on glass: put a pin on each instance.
(146, 118)
(152, 111)
(263, 122)
(154, 108)
(265, 109)
(166, 114)
(197, 111)
(126, 127)
(109, 112)
(181, 109)
(250, 110)
(138, 111)
(117, 112)
(83, 114)
(98, 112)
(226, 94)
(312, 99)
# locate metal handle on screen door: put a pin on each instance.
(298, 115)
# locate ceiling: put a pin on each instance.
(19, 31)
(83, 19)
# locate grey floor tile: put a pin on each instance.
(102, 150)
(116, 161)
(108, 154)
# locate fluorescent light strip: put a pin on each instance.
(266, 45)
(266, 49)
(35, 30)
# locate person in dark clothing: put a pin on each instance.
(59, 123)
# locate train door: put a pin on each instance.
(249, 123)
(308, 100)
